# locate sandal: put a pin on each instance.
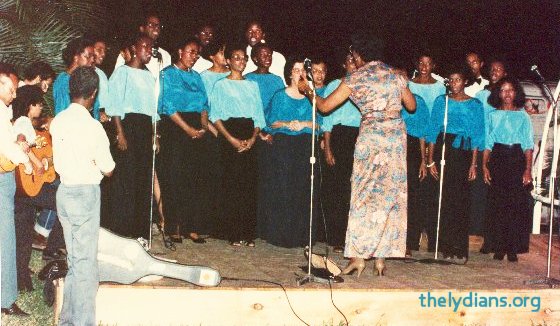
(250, 244)
(237, 243)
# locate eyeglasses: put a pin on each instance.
(209, 34)
(154, 25)
(239, 58)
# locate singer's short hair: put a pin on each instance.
(26, 96)
(84, 81)
(369, 47)
(212, 48)
(498, 59)
(459, 68)
(232, 47)
(290, 62)
(39, 68)
(188, 41)
(495, 100)
(255, 50)
(74, 48)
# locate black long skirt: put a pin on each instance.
(182, 176)
(288, 223)
(415, 211)
(129, 189)
(336, 187)
(454, 223)
(239, 183)
(510, 204)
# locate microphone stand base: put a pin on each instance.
(310, 278)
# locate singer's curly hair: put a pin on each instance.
(74, 48)
(369, 47)
(290, 62)
(495, 100)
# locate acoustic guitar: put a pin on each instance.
(31, 184)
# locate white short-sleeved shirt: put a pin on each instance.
(24, 126)
(277, 66)
(80, 147)
(8, 137)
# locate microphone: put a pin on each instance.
(307, 66)
(535, 69)
(545, 88)
(155, 53)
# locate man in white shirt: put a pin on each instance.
(13, 152)
(81, 158)
(254, 34)
(151, 27)
(205, 34)
(475, 64)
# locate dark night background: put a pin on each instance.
(524, 32)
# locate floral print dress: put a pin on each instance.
(378, 204)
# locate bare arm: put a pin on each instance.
(122, 144)
(325, 105)
(472, 169)
(527, 177)
(190, 131)
(432, 168)
(485, 171)
(422, 170)
(329, 156)
(236, 143)
(408, 100)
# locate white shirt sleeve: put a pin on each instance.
(8, 146)
(23, 126)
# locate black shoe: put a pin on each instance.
(484, 250)
(499, 256)
(14, 310)
(197, 240)
(512, 257)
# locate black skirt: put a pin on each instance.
(287, 224)
(336, 186)
(129, 190)
(239, 183)
(510, 204)
(454, 222)
(182, 175)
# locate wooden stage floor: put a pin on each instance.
(269, 263)
(369, 300)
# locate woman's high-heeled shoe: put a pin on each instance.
(357, 264)
(379, 266)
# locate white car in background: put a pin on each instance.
(537, 105)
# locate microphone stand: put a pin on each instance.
(154, 148)
(435, 260)
(309, 277)
(547, 280)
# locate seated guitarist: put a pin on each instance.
(15, 153)
(27, 107)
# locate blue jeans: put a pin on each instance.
(7, 239)
(78, 209)
(47, 217)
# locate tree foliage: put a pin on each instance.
(38, 30)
